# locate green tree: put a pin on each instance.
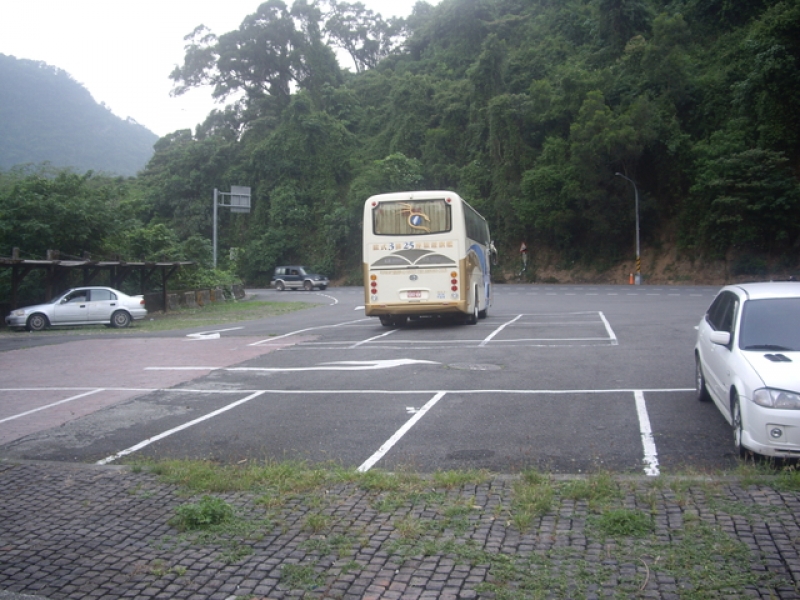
(748, 200)
(259, 59)
(64, 211)
(770, 92)
(362, 33)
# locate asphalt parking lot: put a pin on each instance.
(571, 379)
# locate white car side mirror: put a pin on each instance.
(721, 338)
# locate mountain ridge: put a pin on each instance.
(48, 117)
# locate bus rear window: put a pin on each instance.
(418, 217)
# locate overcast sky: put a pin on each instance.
(123, 52)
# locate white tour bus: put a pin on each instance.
(425, 254)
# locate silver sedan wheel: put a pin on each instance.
(36, 322)
(120, 319)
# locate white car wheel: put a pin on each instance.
(700, 382)
(738, 426)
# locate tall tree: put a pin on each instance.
(264, 57)
(362, 33)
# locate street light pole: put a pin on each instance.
(215, 228)
(638, 280)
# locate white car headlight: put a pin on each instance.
(18, 313)
(777, 399)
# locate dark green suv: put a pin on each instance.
(296, 277)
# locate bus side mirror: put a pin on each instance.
(493, 252)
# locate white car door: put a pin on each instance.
(103, 303)
(73, 308)
(717, 358)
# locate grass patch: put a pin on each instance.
(217, 314)
(597, 491)
(458, 479)
(778, 474)
(268, 478)
(623, 522)
(625, 550)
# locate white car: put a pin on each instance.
(747, 360)
(81, 306)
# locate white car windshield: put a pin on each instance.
(771, 324)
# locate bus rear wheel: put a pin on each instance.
(390, 321)
(472, 319)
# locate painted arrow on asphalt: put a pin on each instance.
(210, 335)
(345, 365)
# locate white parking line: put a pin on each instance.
(376, 337)
(611, 335)
(370, 462)
(306, 330)
(648, 442)
(161, 436)
(46, 406)
(488, 338)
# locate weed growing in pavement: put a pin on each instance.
(317, 523)
(623, 522)
(409, 528)
(301, 577)
(337, 544)
(533, 497)
(205, 513)
(780, 475)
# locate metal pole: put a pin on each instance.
(215, 228)
(638, 279)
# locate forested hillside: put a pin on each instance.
(46, 116)
(528, 108)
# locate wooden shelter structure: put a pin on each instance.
(57, 273)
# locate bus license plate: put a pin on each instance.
(414, 295)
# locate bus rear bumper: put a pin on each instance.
(408, 310)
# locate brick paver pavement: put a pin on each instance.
(79, 531)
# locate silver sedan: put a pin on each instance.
(81, 306)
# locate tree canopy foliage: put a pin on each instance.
(528, 109)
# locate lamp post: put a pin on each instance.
(638, 279)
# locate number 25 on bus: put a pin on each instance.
(426, 254)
